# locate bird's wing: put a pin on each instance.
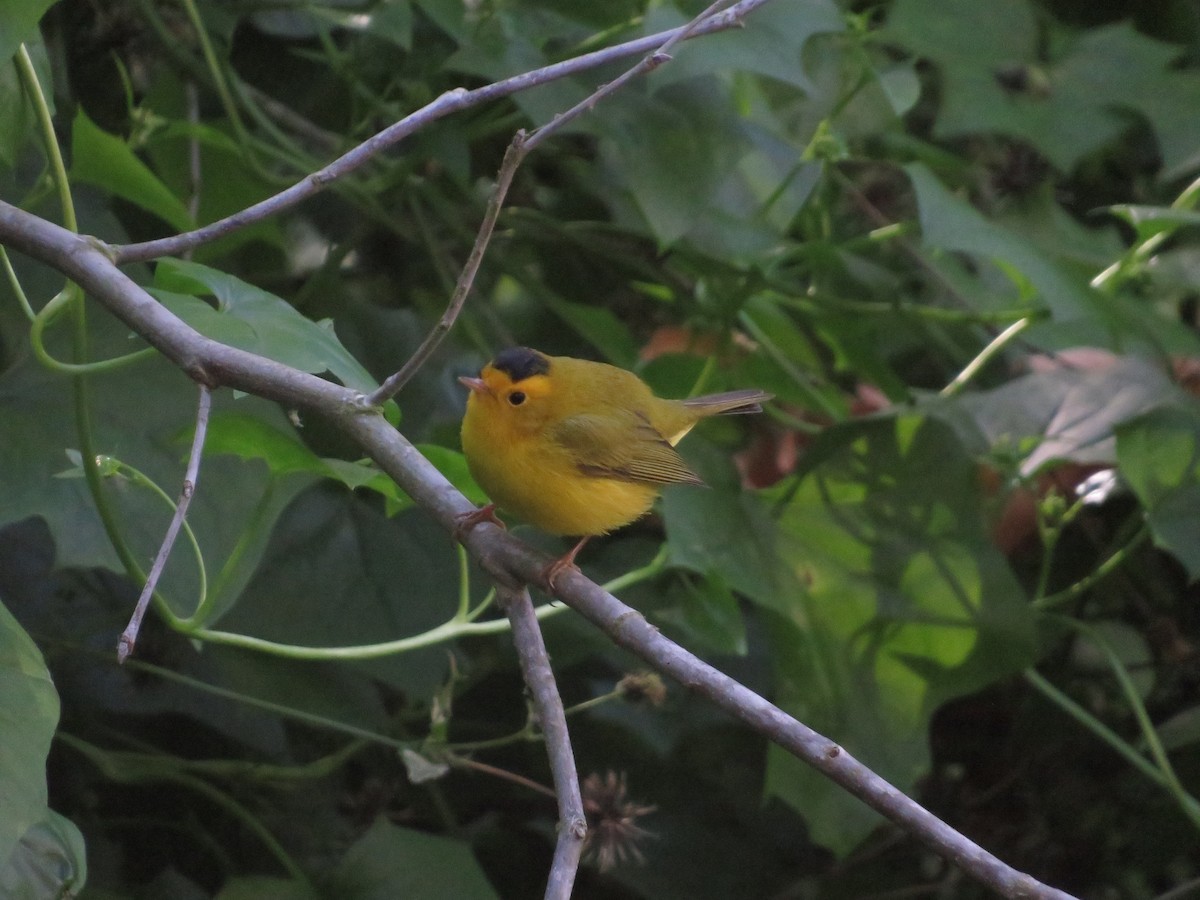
(621, 445)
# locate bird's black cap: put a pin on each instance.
(519, 363)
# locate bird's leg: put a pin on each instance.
(564, 562)
(467, 521)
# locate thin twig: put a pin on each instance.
(522, 145)
(450, 102)
(539, 677)
(463, 762)
(129, 636)
(653, 60)
(392, 385)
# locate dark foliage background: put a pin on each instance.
(955, 239)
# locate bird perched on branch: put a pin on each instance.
(575, 447)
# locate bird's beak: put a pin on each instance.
(478, 385)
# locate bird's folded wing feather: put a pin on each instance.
(624, 446)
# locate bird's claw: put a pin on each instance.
(467, 521)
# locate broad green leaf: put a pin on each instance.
(730, 534)
(170, 151)
(769, 43)
(708, 612)
(1069, 413)
(453, 465)
(950, 223)
(20, 18)
(140, 415)
(276, 330)
(389, 862)
(340, 572)
(284, 453)
(106, 161)
(49, 861)
(598, 325)
(1067, 107)
(28, 717)
(673, 150)
(1159, 456)
(905, 604)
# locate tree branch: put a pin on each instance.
(129, 636)
(535, 666)
(508, 560)
(450, 102)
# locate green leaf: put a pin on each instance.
(598, 325)
(770, 43)
(389, 862)
(49, 861)
(140, 414)
(1159, 455)
(673, 150)
(1069, 413)
(340, 572)
(1068, 107)
(257, 321)
(906, 603)
(106, 161)
(20, 18)
(28, 717)
(950, 223)
(728, 533)
(708, 613)
(1152, 220)
(262, 887)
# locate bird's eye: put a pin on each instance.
(516, 398)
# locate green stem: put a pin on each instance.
(1161, 771)
(15, 283)
(1139, 253)
(58, 170)
(815, 399)
(215, 71)
(1086, 583)
(287, 712)
(985, 356)
(43, 319)
(137, 768)
(464, 585)
(594, 702)
(249, 534)
(710, 366)
(450, 630)
(81, 398)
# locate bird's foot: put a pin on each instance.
(467, 521)
(562, 564)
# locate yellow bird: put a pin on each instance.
(575, 447)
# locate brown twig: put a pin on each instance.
(392, 385)
(129, 636)
(450, 102)
(539, 677)
(508, 560)
(523, 144)
(657, 57)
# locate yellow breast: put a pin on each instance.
(538, 481)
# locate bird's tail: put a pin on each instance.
(730, 403)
